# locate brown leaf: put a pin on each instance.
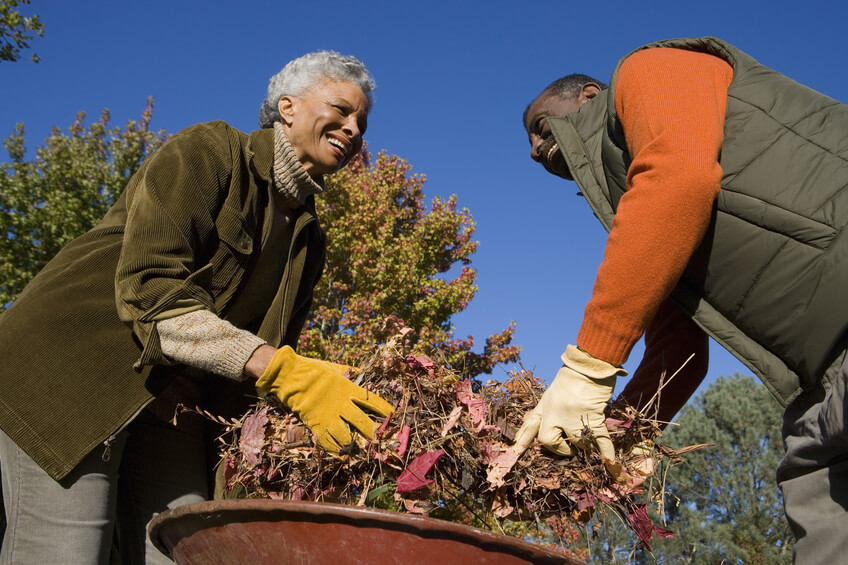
(252, 440)
(500, 465)
(453, 418)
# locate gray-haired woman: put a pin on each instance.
(193, 290)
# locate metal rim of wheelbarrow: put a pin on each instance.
(185, 520)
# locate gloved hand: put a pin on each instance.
(574, 401)
(318, 392)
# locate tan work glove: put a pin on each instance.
(574, 401)
(318, 392)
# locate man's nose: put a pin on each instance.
(535, 144)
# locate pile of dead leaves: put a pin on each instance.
(445, 452)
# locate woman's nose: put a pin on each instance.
(351, 128)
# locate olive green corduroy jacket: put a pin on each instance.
(770, 279)
(76, 364)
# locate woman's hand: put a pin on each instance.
(322, 396)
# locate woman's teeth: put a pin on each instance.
(336, 143)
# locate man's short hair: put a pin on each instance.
(569, 86)
(566, 87)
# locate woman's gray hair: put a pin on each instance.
(303, 73)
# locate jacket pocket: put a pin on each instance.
(233, 250)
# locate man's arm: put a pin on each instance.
(676, 358)
(671, 104)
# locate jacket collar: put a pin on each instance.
(260, 153)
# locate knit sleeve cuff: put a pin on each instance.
(611, 344)
(202, 340)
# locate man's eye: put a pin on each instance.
(540, 126)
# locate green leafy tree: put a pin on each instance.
(724, 503)
(389, 256)
(16, 30)
(62, 193)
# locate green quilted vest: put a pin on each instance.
(770, 280)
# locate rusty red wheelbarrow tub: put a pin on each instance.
(259, 532)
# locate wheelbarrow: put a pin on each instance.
(260, 532)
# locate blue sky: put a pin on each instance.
(453, 79)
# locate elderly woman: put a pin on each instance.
(194, 285)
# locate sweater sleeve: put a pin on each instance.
(671, 104)
(173, 201)
(202, 340)
(673, 367)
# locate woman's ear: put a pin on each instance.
(286, 108)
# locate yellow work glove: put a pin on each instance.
(574, 402)
(318, 392)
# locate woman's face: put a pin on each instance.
(325, 124)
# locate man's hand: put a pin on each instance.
(326, 401)
(571, 411)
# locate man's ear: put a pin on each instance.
(286, 108)
(589, 91)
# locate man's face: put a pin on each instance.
(543, 146)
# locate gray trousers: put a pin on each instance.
(153, 466)
(813, 474)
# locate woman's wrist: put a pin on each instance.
(258, 362)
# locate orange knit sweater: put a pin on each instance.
(671, 104)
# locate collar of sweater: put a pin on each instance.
(290, 178)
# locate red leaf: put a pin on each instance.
(584, 500)
(644, 528)
(613, 423)
(403, 438)
(421, 362)
(229, 472)
(379, 433)
(413, 477)
(476, 405)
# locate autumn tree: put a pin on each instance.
(388, 258)
(62, 193)
(391, 256)
(16, 31)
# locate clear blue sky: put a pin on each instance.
(453, 78)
